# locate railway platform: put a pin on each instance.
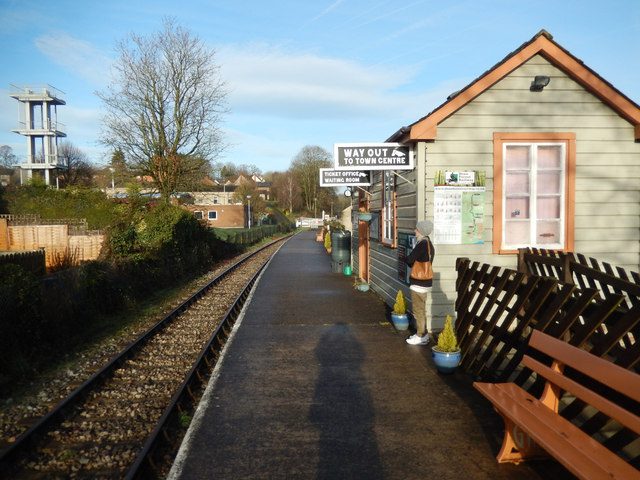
(315, 383)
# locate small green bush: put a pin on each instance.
(400, 307)
(49, 203)
(327, 240)
(334, 225)
(447, 341)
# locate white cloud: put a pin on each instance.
(281, 101)
(82, 122)
(268, 81)
(78, 56)
(246, 147)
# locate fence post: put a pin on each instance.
(567, 273)
(522, 266)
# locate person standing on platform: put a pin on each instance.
(422, 252)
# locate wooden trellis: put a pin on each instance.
(564, 295)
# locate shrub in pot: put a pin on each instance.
(327, 241)
(446, 354)
(399, 315)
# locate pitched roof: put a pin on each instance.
(542, 43)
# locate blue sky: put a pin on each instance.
(308, 72)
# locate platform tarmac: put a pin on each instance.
(315, 383)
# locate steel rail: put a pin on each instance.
(37, 431)
(163, 439)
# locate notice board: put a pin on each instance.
(458, 215)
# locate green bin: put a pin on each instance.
(341, 246)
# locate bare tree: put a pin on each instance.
(79, 171)
(286, 189)
(165, 104)
(306, 165)
(7, 158)
(249, 168)
(247, 194)
(195, 171)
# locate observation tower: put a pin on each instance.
(39, 123)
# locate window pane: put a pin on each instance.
(517, 157)
(517, 208)
(517, 183)
(549, 182)
(533, 194)
(550, 156)
(548, 207)
(388, 232)
(547, 232)
(516, 233)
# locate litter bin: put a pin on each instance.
(341, 247)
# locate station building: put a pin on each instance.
(539, 151)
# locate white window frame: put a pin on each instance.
(388, 208)
(532, 195)
(215, 215)
(199, 214)
(569, 140)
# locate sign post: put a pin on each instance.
(372, 156)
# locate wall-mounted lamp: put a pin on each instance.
(539, 82)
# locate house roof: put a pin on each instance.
(542, 43)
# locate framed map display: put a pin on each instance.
(458, 215)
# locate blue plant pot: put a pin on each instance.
(400, 321)
(365, 217)
(446, 362)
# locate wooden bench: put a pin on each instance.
(534, 428)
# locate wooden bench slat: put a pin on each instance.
(579, 453)
(608, 373)
(589, 396)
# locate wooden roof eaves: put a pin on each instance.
(427, 128)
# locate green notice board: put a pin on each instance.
(406, 242)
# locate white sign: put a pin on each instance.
(336, 178)
(372, 156)
(460, 178)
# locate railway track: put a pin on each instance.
(127, 420)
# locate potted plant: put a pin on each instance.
(399, 315)
(327, 241)
(364, 216)
(360, 284)
(446, 355)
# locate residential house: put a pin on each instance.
(216, 209)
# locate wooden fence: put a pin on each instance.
(247, 236)
(32, 261)
(64, 240)
(564, 295)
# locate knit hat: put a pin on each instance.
(424, 227)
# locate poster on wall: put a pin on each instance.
(458, 215)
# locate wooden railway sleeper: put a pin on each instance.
(193, 397)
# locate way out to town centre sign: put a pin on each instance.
(338, 178)
(372, 156)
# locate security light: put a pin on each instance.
(539, 82)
